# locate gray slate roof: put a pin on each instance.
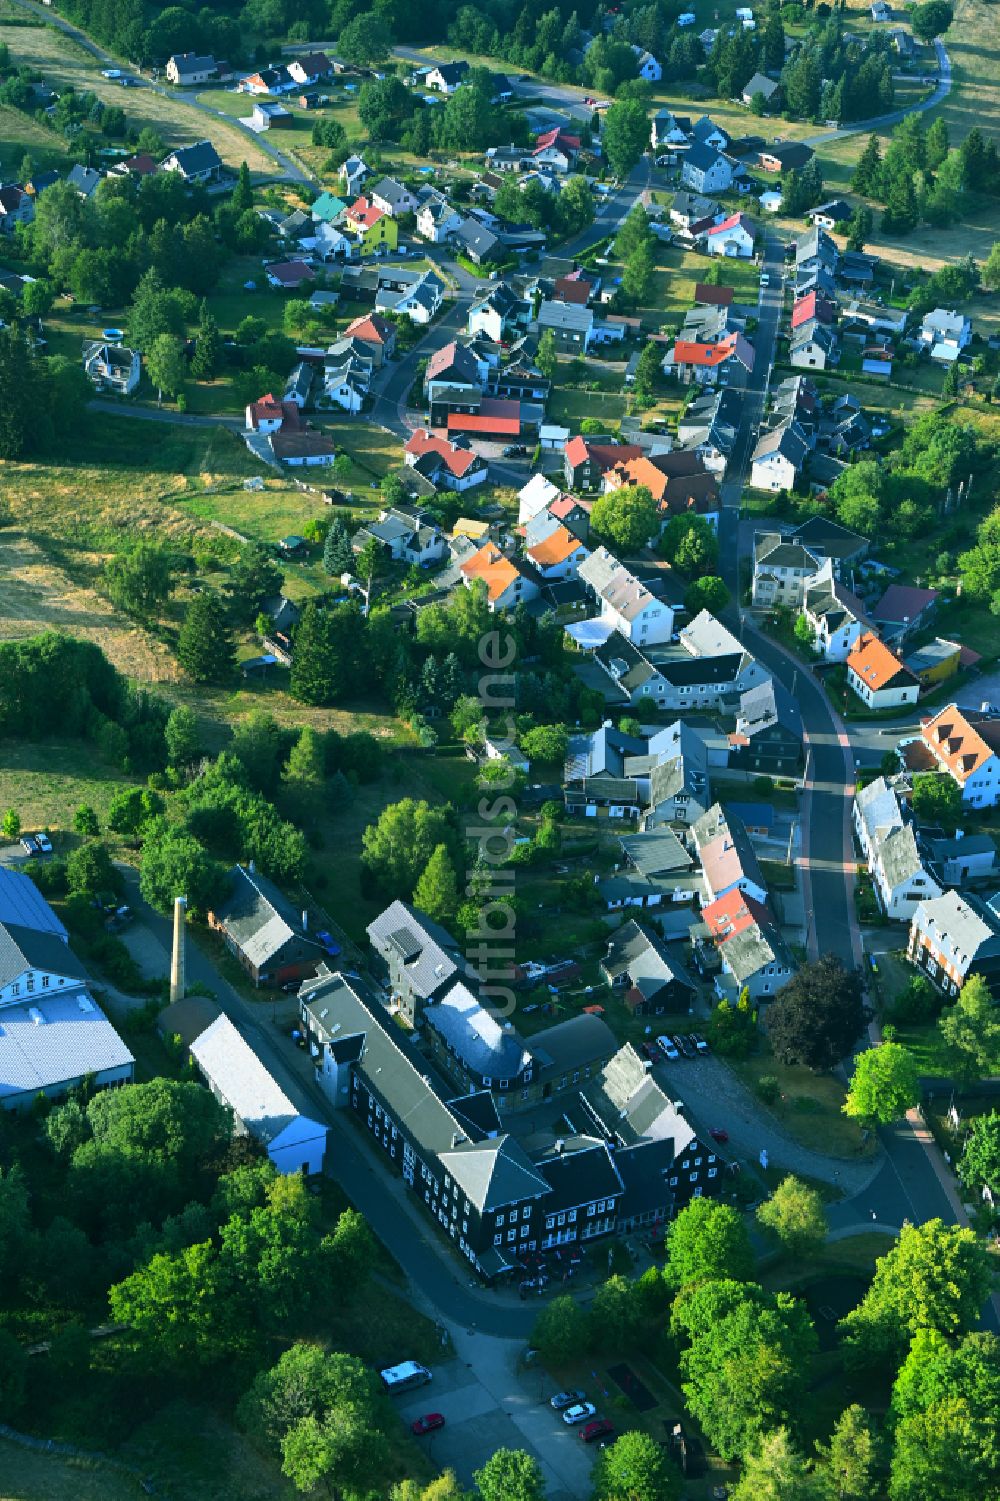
(430, 954)
(634, 952)
(631, 1106)
(494, 1173)
(74, 1038)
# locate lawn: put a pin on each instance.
(46, 782)
(808, 1105)
(64, 64)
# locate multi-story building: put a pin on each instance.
(954, 937)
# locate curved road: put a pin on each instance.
(289, 168)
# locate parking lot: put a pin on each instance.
(488, 1403)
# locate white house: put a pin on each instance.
(705, 170)
(187, 68)
(877, 675)
(534, 497)
(353, 172)
(446, 77)
(779, 457)
(555, 552)
(627, 606)
(890, 850)
(436, 220)
(111, 367)
(260, 1107)
(835, 615)
(733, 237)
(965, 743)
(945, 334)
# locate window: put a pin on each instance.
(487, 1082)
(498, 1240)
(600, 1206)
(511, 1235)
(561, 1219)
(499, 1220)
(572, 1216)
(524, 1231)
(513, 1216)
(549, 1222)
(465, 1207)
(45, 981)
(465, 1227)
(504, 1083)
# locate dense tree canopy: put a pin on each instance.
(818, 1016)
(707, 1240)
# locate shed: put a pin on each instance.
(261, 1109)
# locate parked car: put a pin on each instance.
(562, 1400)
(599, 1428)
(765, 279)
(701, 1045)
(718, 1134)
(44, 843)
(667, 1047)
(514, 451)
(579, 1413)
(29, 846)
(427, 1423)
(684, 1045)
(652, 1052)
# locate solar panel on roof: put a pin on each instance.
(406, 944)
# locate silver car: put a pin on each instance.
(579, 1413)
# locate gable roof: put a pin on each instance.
(497, 572)
(22, 903)
(457, 459)
(370, 329)
(713, 296)
(244, 1083)
(455, 361)
(494, 1173)
(875, 664)
(964, 740)
(638, 954)
(472, 1032)
(556, 548)
(257, 916)
(428, 952)
(902, 603)
(195, 159)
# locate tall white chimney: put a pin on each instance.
(177, 980)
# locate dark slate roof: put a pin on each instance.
(644, 959)
(571, 1043)
(767, 704)
(200, 157)
(478, 1112)
(257, 917)
(26, 948)
(580, 1174)
(388, 1063)
(628, 1105)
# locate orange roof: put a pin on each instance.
(731, 913)
(373, 329)
(690, 352)
(265, 407)
(555, 548)
(959, 745)
(496, 571)
(364, 213)
(872, 661)
(639, 472)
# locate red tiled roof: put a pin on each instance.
(487, 423)
(576, 292)
(556, 137)
(266, 409)
(459, 460)
(142, 164)
(730, 914)
(690, 352)
(555, 548)
(440, 360)
(364, 212)
(713, 296)
(579, 449)
(732, 222)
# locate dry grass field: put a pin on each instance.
(64, 62)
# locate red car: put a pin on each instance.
(717, 1133)
(427, 1423)
(652, 1052)
(599, 1428)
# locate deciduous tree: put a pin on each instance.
(936, 1277)
(794, 1215)
(510, 1475)
(970, 1029)
(626, 519)
(635, 1468)
(884, 1086)
(708, 1240)
(395, 850)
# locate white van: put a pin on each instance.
(399, 1378)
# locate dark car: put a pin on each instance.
(427, 1423)
(562, 1400)
(701, 1046)
(684, 1045)
(515, 451)
(718, 1134)
(29, 846)
(652, 1052)
(599, 1428)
